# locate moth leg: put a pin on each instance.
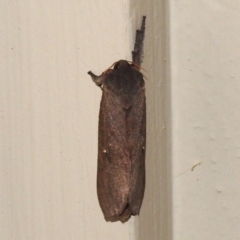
(99, 80)
(137, 53)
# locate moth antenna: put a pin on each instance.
(137, 66)
(109, 67)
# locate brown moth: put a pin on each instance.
(122, 136)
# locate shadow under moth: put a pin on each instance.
(122, 136)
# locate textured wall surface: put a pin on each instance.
(49, 116)
(205, 86)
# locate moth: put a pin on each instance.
(122, 136)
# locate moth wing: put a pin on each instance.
(114, 162)
(136, 130)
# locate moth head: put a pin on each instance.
(122, 64)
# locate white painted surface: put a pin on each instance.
(49, 111)
(205, 86)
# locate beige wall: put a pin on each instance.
(205, 86)
(49, 116)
